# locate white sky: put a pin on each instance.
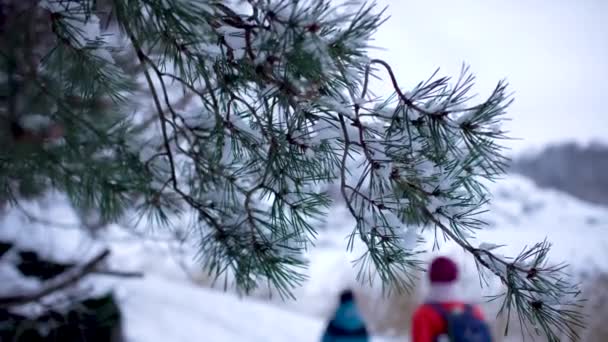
(554, 53)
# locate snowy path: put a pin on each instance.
(158, 309)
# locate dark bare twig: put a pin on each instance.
(396, 87)
(118, 273)
(166, 141)
(57, 283)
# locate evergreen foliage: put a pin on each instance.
(235, 114)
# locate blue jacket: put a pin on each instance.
(346, 325)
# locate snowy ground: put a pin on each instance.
(161, 309)
(166, 306)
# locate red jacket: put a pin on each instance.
(428, 325)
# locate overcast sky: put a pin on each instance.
(554, 53)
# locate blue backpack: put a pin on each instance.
(463, 325)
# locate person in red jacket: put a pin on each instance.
(429, 322)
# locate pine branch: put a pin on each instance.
(163, 120)
(475, 252)
(279, 106)
(408, 102)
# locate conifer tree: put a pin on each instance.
(236, 114)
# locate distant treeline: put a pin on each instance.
(581, 171)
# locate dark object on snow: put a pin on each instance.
(32, 266)
(346, 324)
(94, 319)
(91, 319)
(4, 247)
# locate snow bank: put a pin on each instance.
(160, 309)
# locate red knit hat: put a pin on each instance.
(443, 270)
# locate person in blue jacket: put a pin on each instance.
(346, 325)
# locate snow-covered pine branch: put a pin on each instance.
(234, 114)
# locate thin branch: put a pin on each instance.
(57, 283)
(343, 166)
(161, 114)
(476, 252)
(166, 142)
(396, 87)
(118, 273)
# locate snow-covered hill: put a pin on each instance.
(166, 306)
(521, 214)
